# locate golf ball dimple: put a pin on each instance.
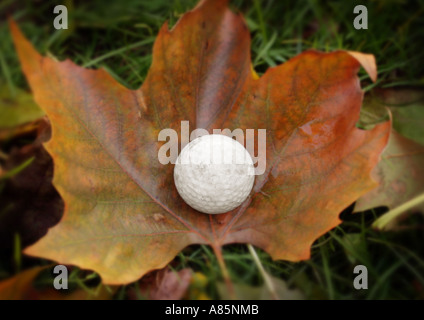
(214, 174)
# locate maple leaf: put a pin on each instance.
(123, 216)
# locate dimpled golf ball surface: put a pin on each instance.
(214, 174)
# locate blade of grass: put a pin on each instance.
(382, 280)
(258, 9)
(16, 170)
(268, 282)
(118, 51)
(327, 272)
(7, 76)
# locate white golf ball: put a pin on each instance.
(214, 174)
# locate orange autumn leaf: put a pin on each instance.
(123, 216)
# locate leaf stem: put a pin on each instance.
(224, 271)
(382, 222)
(268, 282)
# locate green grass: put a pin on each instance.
(119, 38)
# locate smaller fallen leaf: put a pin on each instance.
(373, 112)
(401, 96)
(30, 203)
(408, 121)
(164, 284)
(406, 106)
(400, 173)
